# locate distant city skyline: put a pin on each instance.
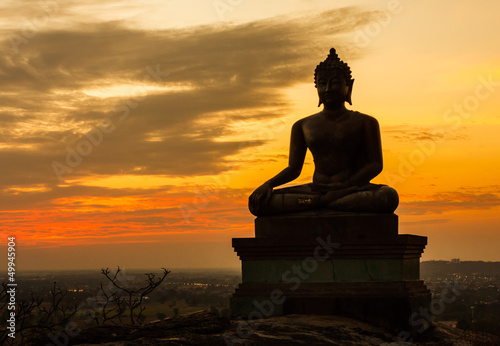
(133, 133)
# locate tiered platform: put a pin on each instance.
(327, 262)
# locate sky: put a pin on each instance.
(132, 133)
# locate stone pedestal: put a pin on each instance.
(331, 263)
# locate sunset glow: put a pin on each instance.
(132, 133)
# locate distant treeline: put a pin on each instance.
(442, 268)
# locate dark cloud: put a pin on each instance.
(230, 73)
(478, 198)
(407, 133)
(424, 222)
(16, 199)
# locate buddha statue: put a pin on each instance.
(347, 153)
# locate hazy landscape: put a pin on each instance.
(185, 291)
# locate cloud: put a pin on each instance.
(102, 214)
(424, 222)
(466, 198)
(412, 133)
(201, 80)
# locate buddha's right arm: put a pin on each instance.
(296, 158)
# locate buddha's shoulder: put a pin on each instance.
(307, 120)
(363, 117)
(353, 115)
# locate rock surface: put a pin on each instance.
(204, 328)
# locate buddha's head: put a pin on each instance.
(333, 80)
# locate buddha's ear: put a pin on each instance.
(319, 98)
(349, 92)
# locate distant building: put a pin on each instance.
(455, 260)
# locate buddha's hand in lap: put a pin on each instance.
(260, 197)
(333, 195)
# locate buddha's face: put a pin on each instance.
(332, 87)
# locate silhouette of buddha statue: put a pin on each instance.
(347, 154)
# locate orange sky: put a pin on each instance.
(132, 133)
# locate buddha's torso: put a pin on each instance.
(336, 143)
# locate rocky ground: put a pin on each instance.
(205, 328)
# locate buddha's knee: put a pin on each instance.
(258, 208)
(387, 198)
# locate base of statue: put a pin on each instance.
(328, 262)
